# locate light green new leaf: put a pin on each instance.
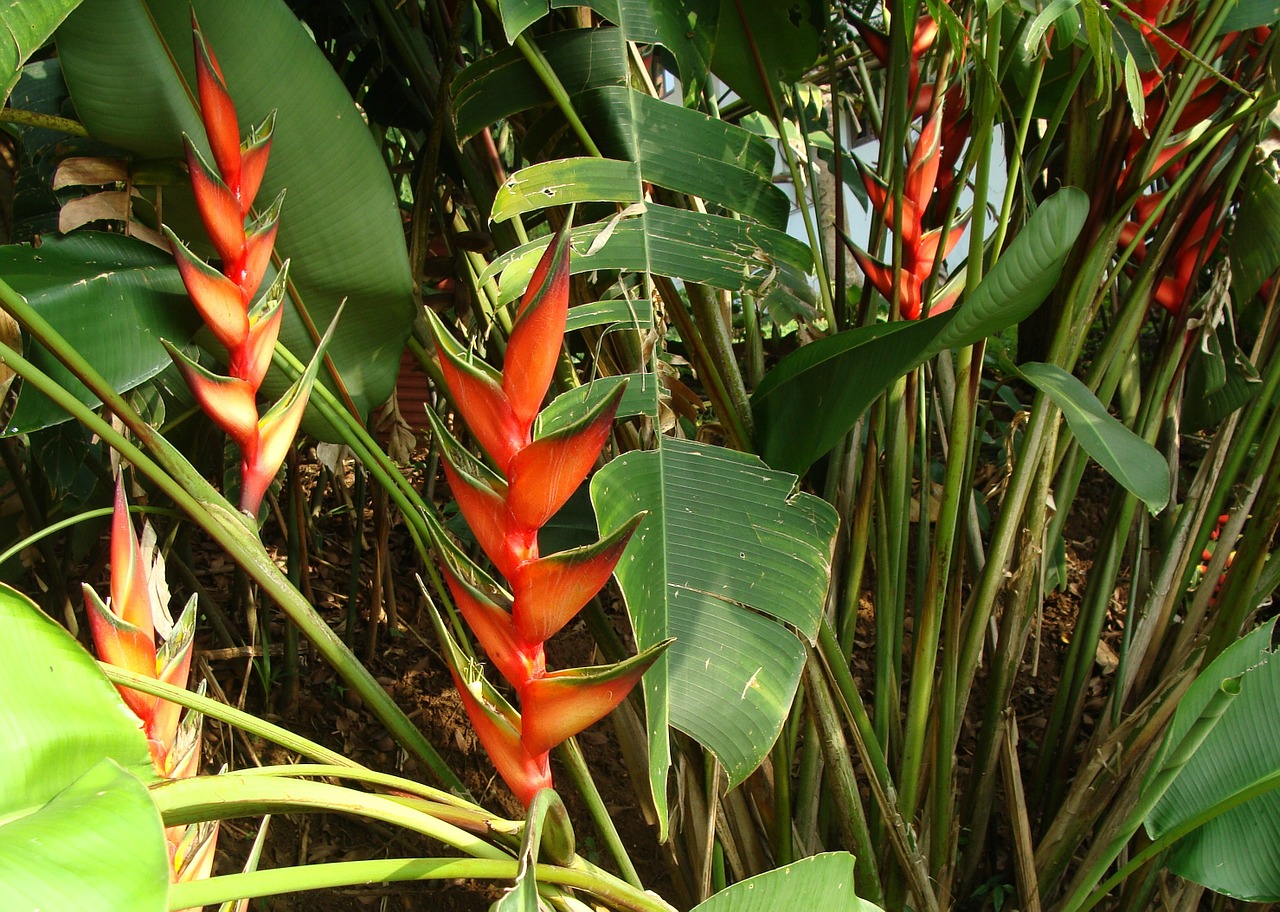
(1238, 852)
(1128, 458)
(112, 298)
(24, 27)
(815, 395)
(77, 831)
(818, 882)
(727, 555)
(341, 224)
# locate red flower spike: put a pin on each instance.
(259, 240)
(219, 211)
(534, 346)
(922, 171)
(217, 111)
(217, 298)
(493, 627)
(525, 772)
(229, 401)
(477, 392)
(277, 428)
(174, 661)
(253, 161)
(130, 594)
(552, 589)
(122, 644)
(563, 703)
(254, 357)
(486, 513)
(545, 474)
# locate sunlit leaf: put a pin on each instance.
(818, 882)
(728, 554)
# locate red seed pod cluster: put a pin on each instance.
(245, 323)
(505, 509)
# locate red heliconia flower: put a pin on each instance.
(245, 323)
(877, 43)
(123, 631)
(505, 509)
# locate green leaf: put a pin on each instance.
(112, 298)
(1234, 853)
(816, 394)
(1129, 459)
(1249, 14)
(504, 83)
(785, 40)
(640, 398)
(1255, 242)
(672, 147)
(728, 554)
(77, 828)
(694, 246)
(518, 15)
(818, 882)
(341, 223)
(26, 26)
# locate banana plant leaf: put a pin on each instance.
(112, 298)
(694, 246)
(78, 829)
(818, 882)
(340, 225)
(816, 394)
(733, 563)
(781, 39)
(1236, 852)
(26, 26)
(1255, 242)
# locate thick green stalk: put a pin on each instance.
(580, 772)
(852, 818)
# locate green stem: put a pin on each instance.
(398, 870)
(580, 772)
(43, 121)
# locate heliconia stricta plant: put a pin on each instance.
(124, 635)
(245, 323)
(505, 506)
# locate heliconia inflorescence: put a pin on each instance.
(245, 323)
(505, 509)
(929, 171)
(124, 635)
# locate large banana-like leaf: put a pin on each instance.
(23, 28)
(1237, 852)
(112, 298)
(77, 827)
(732, 562)
(818, 882)
(340, 226)
(816, 395)
(694, 246)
